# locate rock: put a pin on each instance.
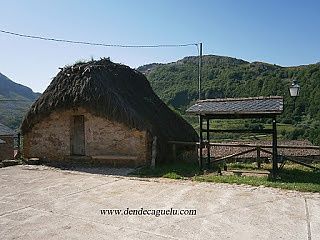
(33, 161)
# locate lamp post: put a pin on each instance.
(294, 91)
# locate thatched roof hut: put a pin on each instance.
(109, 91)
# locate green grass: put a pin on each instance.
(248, 166)
(281, 127)
(293, 177)
(174, 171)
(289, 179)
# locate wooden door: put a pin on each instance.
(77, 136)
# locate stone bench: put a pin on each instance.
(33, 161)
(7, 163)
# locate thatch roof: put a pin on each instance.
(113, 91)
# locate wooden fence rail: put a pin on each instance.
(244, 145)
(254, 147)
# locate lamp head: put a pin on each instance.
(294, 89)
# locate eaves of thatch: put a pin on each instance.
(112, 91)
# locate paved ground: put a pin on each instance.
(39, 202)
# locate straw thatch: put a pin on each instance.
(113, 91)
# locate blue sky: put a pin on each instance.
(280, 32)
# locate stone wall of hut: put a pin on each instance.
(7, 148)
(50, 140)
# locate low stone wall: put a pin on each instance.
(50, 138)
(6, 149)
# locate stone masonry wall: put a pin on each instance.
(6, 149)
(50, 138)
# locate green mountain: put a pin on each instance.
(15, 100)
(177, 84)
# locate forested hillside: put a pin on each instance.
(15, 100)
(177, 84)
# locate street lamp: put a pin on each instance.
(294, 91)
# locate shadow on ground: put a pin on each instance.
(86, 168)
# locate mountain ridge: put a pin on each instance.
(9, 88)
(176, 84)
(12, 112)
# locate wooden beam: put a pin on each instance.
(208, 143)
(174, 152)
(258, 157)
(246, 145)
(267, 131)
(154, 152)
(200, 143)
(235, 155)
(265, 151)
(239, 116)
(183, 143)
(301, 163)
(264, 146)
(274, 148)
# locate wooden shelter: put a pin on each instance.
(237, 108)
(102, 112)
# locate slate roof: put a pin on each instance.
(239, 106)
(5, 131)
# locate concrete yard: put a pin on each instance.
(38, 202)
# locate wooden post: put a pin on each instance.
(200, 143)
(18, 155)
(200, 68)
(274, 148)
(258, 158)
(174, 152)
(208, 143)
(154, 152)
